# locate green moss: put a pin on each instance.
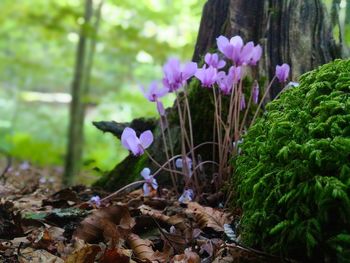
(124, 173)
(293, 176)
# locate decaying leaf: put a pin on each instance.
(208, 217)
(188, 257)
(86, 254)
(30, 255)
(93, 228)
(176, 221)
(115, 255)
(141, 248)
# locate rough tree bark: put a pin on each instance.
(297, 32)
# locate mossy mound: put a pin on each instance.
(293, 176)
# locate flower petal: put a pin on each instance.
(146, 173)
(189, 70)
(130, 141)
(146, 139)
(146, 190)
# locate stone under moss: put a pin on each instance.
(293, 176)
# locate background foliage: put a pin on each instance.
(38, 40)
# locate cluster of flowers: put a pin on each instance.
(233, 51)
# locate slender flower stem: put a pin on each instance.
(167, 154)
(262, 100)
(216, 105)
(163, 166)
(191, 136)
(247, 110)
(121, 190)
(205, 162)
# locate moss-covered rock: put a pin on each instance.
(202, 112)
(293, 176)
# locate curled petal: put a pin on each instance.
(146, 173)
(282, 72)
(178, 163)
(255, 92)
(160, 108)
(189, 70)
(247, 53)
(146, 139)
(256, 55)
(146, 190)
(222, 42)
(187, 196)
(130, 141)
(154, 184)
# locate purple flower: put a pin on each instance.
(175, 75)
(282, 72)
(255, 91)
(242, 103)
(239, 53)
(150, 181)
(154, 92)
(95, 200)
(187, 196)
(24, 165)
(256, 55)
(160, 108)
(226, 82)
(207, 76)
(230, 48)
(136, 145)
(179, 163)
(214, 61)
(236, 73)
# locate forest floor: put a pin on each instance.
(39, 222)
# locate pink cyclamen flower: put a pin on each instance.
(136, 145)
(255, 55)
(95, 200)
(187, 196)
(255, 91)
(154, 91)
(226, 82)
(150, 181)
(175, 75)
(207, 76)
(214, 61)
(235, 50)
(282, 72)
(242, 105)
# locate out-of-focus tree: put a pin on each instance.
(38, 39)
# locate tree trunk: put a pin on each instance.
(76, 121)
(296, 32)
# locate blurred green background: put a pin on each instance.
(38, 40)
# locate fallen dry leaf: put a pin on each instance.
(176, 221)
(208, 217)
(93, 227)
(115, 255)
(188, 257)
(87, 254)
(30, 255)
(142, 248)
